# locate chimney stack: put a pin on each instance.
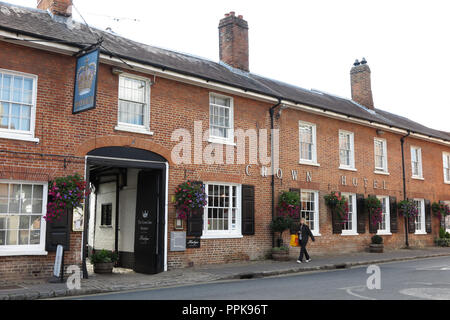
(56, 7)
(233, 41)
(360, 82)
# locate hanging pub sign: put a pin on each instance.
(86, 72)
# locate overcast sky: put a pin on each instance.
(311, 44)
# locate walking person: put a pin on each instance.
(303, 234)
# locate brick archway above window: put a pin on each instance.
(122, 141)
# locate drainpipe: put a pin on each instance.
(272, 184)
(402, 141)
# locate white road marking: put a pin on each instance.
(428, 293)
(350, 290)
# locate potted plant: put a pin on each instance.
(376, 244)
(278, 225)
(189, 198)
(444, 238)
(104, 261)
(280, 253)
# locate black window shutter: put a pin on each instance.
(58, 232)
(393, 214)
(296, 225)
(360, 214)
(248, 210)
(336, 221)
(411, 223)
(194, 220)
(373, 228)
(428, 227)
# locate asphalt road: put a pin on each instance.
(418, 279)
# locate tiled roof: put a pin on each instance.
(40, 24)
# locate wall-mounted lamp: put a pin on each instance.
(278, 115)
(116, 71)
(380, 132)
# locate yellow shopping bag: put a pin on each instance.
(294, 240)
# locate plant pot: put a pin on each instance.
(103, 267)
(376, 248)
(280, 255)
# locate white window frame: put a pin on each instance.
(384, 169)
(421, 216)
(216, 139)
(135, 128)
(419, 162)
(312, 161)
(223, 234)
(446, 166)
(29, 250)
(448, 217)
(351, 166)
(316, 230)
(20, 134)
(354, 215)
(387, 216)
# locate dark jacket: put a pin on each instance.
(304, 233)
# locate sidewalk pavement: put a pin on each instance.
(125, 279)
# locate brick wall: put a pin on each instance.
(177, 105)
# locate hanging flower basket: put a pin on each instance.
(337, 204)
(65, 193)
(189, 197)
(407, 208)
(440, 210)
(289, 205)
(374, 208)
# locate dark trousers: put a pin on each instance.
(303, 252)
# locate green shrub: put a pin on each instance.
(444, 242)
(376, 239)
(442, 233)
(280, 249)
(280, 223)
(104, 256)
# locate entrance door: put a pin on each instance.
(146, 242)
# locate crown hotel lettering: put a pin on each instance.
(265, 171)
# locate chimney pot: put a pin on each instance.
(240, 16)
(356, 63)
(233, 41)
(361, 84)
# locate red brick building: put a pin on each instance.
(125, 147)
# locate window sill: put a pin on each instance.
(349, 234)
(417, 178)
(315, 164)
(384, 233)
(381, 172)
(348, 168)
(221, 236)
(133, 130)
(221, 141)
(420, 233)
(23, 253)
(316, 234)
(447, 182)
(16, 136)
